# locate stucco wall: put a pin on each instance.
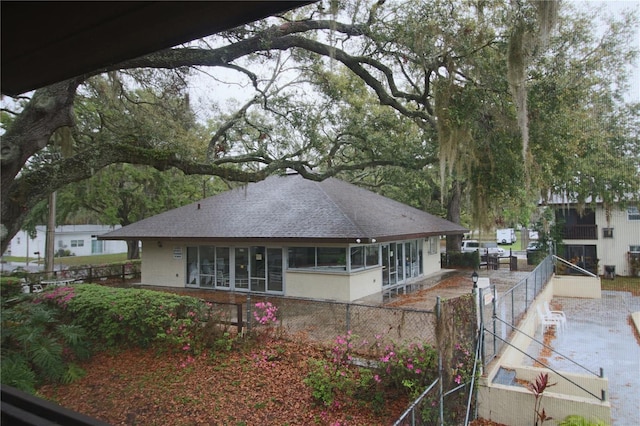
(334, 286)
(613, 251)
(160, 267)
(497, 403)
(430, 262)
(576, 286)
(317, 285)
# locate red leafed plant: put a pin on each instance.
(538, 387)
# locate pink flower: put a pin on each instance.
(458, 379)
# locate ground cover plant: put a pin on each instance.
(160, 357)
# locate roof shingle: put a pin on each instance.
(291, 207)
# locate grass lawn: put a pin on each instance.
(631, 284)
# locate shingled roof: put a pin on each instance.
(286, 208)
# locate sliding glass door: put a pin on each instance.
(241, 278)
(274, 270)
(258, 269)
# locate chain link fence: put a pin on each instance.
(509, 308)
(321, 321)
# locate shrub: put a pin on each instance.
(411, 367)
(37, 347)
(460, 260)
(116, 316)
(10, 286)
(408, 368)
(575, 420)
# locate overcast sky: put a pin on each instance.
(205, 91)
(619, 7)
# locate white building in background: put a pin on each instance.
(79, 240)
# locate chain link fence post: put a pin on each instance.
(248, 313)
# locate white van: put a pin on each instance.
(489, 247)
(506, 236)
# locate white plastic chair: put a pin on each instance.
(36, 288)
(559, 315)
(548, 321)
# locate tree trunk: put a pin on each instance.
(454, 242)
(50, 241)
(133, 249)
(49, 109)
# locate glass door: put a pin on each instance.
(386, 266)
(241, 279)
(274, 272)
(207, 261)
(222, 267)
(258, 270)
(399, 262)
(193, 278)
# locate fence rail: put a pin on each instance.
(509, 307)
(122, 271)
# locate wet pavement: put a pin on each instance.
(601, 335)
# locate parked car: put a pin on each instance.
(534, 253)
(533, 246)
(469, 246)
(491, 248)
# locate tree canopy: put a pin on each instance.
(339, 88)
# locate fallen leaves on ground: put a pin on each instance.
(420, 297)
(258, 386)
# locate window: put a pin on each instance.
(331, 257)
(97, 247)
(433, 245)
(357, 257)
(364, 256)
(302, 257)
(371, 255)
(633, 213)
(607, 232)
(77, 243)
(634, 249)
(320, 258)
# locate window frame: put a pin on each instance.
(316, 258)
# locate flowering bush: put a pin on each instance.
(411, 367)
(265, 313)
(341, 352)
(462, 363)
(60, 296)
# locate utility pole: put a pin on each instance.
(50, 236)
